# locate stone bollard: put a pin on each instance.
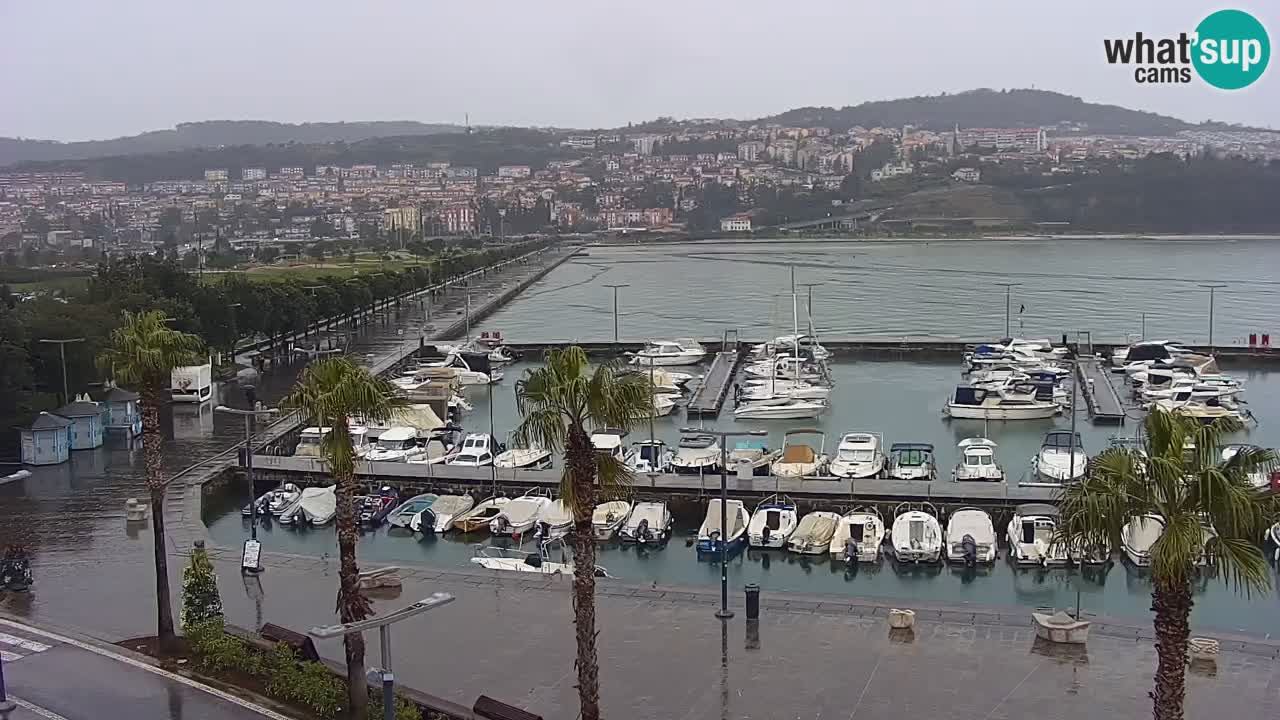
(753, 601)
(902, 619)
(135, 511)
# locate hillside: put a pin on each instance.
(986, 108)
(212, 134)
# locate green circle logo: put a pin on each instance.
(1232, 49)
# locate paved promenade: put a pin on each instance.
(663, 654)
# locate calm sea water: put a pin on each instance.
(902, 400)
(937, 288)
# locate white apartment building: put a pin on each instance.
(253, 174)
(219, 175)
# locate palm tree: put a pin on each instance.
(143, 353)
(557, 403)
(330, 392)
(1180, 477)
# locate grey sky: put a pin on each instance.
(85, 69)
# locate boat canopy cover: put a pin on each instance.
(966, 395)
(1062, 439)
(610, 511)
(749, 445)
(1027, 509)
(697, 441)
(817, 526)
(451, 504)
(418, 416)
(896, 447)
(795, 454)
(732, 510)
(987, 350)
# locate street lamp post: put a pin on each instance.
(249, 416)
(724, 612)
(62, 354)
(1008, 287)
(1212, 287)
(615, 309)
(383, 623)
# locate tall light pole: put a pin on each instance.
(724, 612)
(1008, 295)
(249, 416)
(615, 309)
(1212, 287)
(62, 354)
(383, 623)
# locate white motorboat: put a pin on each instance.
(761, 389)
(916, 536)
(476, 451)
(859, 455)
(1061, 459)
(663, 405)
(813, 534)
(537, 561)
(696, 454)
(798, 459)
(310, 440)
(1138, 536)
(971, 537)
(780, 408)
(752, 453)
(1260, 478)
(610, 442)
(608, 518)
(999, 403)
(530, 458)
(406, 511)
(858, 536)
(1030, 536)
(660, 353)
(555, 520)
(437, 449)
(772, 523)
(397, 444)
(977, 461)
(283, 498)
(1205, 411)
(440, 516)
(1145, 351)
(713, 537)
(648, 524)
(315, 506)
(651, 456)
(479, 516)
(520, 514)
(912, 461)
(787, 367)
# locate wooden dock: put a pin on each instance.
(1105, 406)
(708, 397)
(311, 471)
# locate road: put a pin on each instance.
(55, 675)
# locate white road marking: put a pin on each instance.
(228, 697)
(10, 657)
(42, 712)
(23, 643)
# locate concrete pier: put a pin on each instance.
(1105, 406)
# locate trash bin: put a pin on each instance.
(753, 601)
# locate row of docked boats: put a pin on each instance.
(1165, 375)
(1012, 379)
(915, 535)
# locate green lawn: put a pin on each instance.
(306, 272)
(64, 284)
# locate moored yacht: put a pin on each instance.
(648, 524)
(397, 444)
(977, 461)
(916, 536)
(773, 522)
(1007, 402)
(971, 537)
(480, 515)
(476, 451)
(712, 537)
(518, 516)
(858, 536)
(659, 353)
(404, 513)
(799, 459)
(442, 514)
(607, 441)
(696, 454)
(912, 461)
(651, 456)
(753, 454)
(1061, 459)
(608, 517)
(555, 520)
(1138, 536)
(813, 534)
(859, 455)
(780, 408)
(530, 458)
(1031, 536)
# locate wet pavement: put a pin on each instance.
(51, 675)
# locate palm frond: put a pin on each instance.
(144, 350)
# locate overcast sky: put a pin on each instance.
(87, 69)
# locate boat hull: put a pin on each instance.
(969, 412)
(711, 546)
(855, 471)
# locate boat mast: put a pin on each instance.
(795, 324)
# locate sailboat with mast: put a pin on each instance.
(796, 401)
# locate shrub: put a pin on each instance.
(200, 599)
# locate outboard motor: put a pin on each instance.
(970, 549)
(642, 531)
(544, 530)
(427, 522)
(765, 535)
(850, 551)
